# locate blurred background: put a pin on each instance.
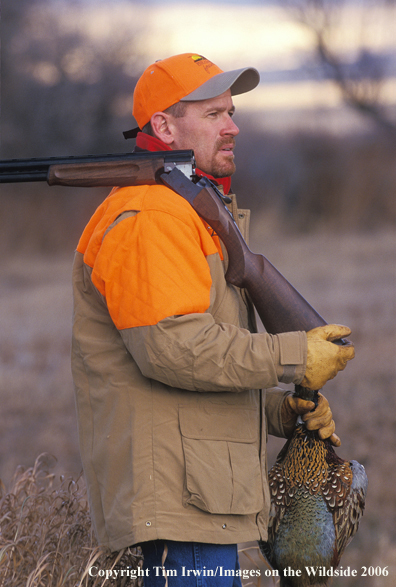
(316, 163)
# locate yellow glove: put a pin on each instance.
(325, 359)
(321, 419)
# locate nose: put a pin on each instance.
(230, 128)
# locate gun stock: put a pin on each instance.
(280, 306)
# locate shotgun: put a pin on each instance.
(121, 169)
(280, 306)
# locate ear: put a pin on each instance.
(162, 128)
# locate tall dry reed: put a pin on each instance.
(46, 538)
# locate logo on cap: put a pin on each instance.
(202, 62)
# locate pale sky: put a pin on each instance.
(237, 34)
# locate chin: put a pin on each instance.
(223, 170)
(223, 173)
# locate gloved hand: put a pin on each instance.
(325, 359)
(321, 419)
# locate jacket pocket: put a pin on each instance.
(222, 465)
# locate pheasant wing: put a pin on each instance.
(346, 502)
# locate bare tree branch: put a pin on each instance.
(360, 83)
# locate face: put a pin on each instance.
(207, 128)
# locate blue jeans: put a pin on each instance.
(190, 564)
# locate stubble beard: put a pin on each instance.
(223, 168)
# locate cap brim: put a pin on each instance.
(131, 134)
(238, 81)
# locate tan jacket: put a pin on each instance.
(168, 377)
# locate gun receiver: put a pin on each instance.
(121, 169)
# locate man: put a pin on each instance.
(167, 365)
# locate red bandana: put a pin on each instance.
(149, 143)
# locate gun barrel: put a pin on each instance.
(15, 177)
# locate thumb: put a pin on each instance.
(331, 331)
(335, 440)
(300, 406)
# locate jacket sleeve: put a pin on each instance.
(193, 352)
(154, 274)
(274, 399)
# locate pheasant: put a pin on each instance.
(317, 500)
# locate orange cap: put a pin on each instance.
(186, 77)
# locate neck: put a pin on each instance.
(150, 143)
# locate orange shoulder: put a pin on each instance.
(151, 264)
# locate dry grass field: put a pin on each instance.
(349, 279)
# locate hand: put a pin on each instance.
(321, 419)
(325, 359)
